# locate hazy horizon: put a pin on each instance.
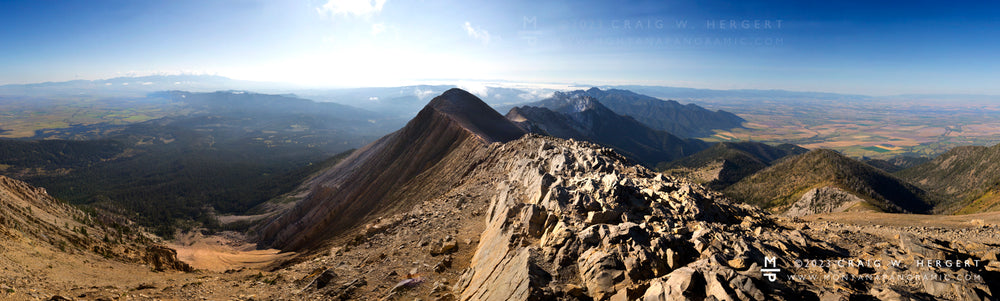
(848, 47)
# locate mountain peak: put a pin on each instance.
(395, 171)
(474, 115)
(456, 100)
(572, 102)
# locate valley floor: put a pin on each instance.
(224, 252)
(36, 271)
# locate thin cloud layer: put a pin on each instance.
(477, 33)
(360, 8)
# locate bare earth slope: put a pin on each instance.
(48, 246)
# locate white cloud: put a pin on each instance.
(423, 94)
(367, 64)
(477, 33)
(378, 28)
(332, 8)
(478, 88)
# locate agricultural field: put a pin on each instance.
(27, 117)
(874, 129)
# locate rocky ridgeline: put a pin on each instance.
(570, 220)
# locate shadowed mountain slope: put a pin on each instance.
(582, 117)
(688, 120)
(806, 179)
(394, 171)
(896, 164)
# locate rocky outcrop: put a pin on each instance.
(162, 258)
(570, 220)
(825, 200)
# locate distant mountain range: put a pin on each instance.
(582, 117)
(406, 101)
(138, 86)
(495, 94)
(666, 115)
(742, 94)
(287, 110)
(688, 120)
(402, 101)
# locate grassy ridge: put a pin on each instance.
(967, 177)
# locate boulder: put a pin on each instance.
(916, 249)
(684, 283)
(447, 245)
(162, 258)
(600, 271)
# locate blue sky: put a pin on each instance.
(859, 47)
